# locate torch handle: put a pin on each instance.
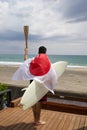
(26, 28)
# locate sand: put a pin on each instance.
(73, 79)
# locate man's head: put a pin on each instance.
(42, 49)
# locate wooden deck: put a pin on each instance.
(17, 119)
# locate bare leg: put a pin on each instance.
(37, 112)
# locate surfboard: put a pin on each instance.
(35, 91)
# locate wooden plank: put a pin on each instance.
(77, 122)
(50, 121)
(85, 125)
(67, 122)
(57, 120)
(61, 124)
(64, 107)
(82, 123)
(71, 126)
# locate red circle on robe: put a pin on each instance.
(40, 65)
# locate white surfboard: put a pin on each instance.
(35, 91)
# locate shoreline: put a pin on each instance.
(17, 64)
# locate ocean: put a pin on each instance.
(73, 60)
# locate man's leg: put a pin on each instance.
(37, 112)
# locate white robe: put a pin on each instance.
(49, 80)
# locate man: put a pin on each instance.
(37, 68)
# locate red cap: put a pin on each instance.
(40, 65)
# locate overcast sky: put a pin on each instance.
(60, 25)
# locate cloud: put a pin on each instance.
(11, 35)
(51, 22)
(74, 11)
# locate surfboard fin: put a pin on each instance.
(24, 89)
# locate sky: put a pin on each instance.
(60, 25)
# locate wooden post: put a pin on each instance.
(26, 28)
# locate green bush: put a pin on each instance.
(3, 87)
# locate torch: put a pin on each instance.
(26, 29)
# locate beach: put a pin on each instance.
(74, 79)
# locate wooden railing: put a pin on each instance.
(6, 92)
